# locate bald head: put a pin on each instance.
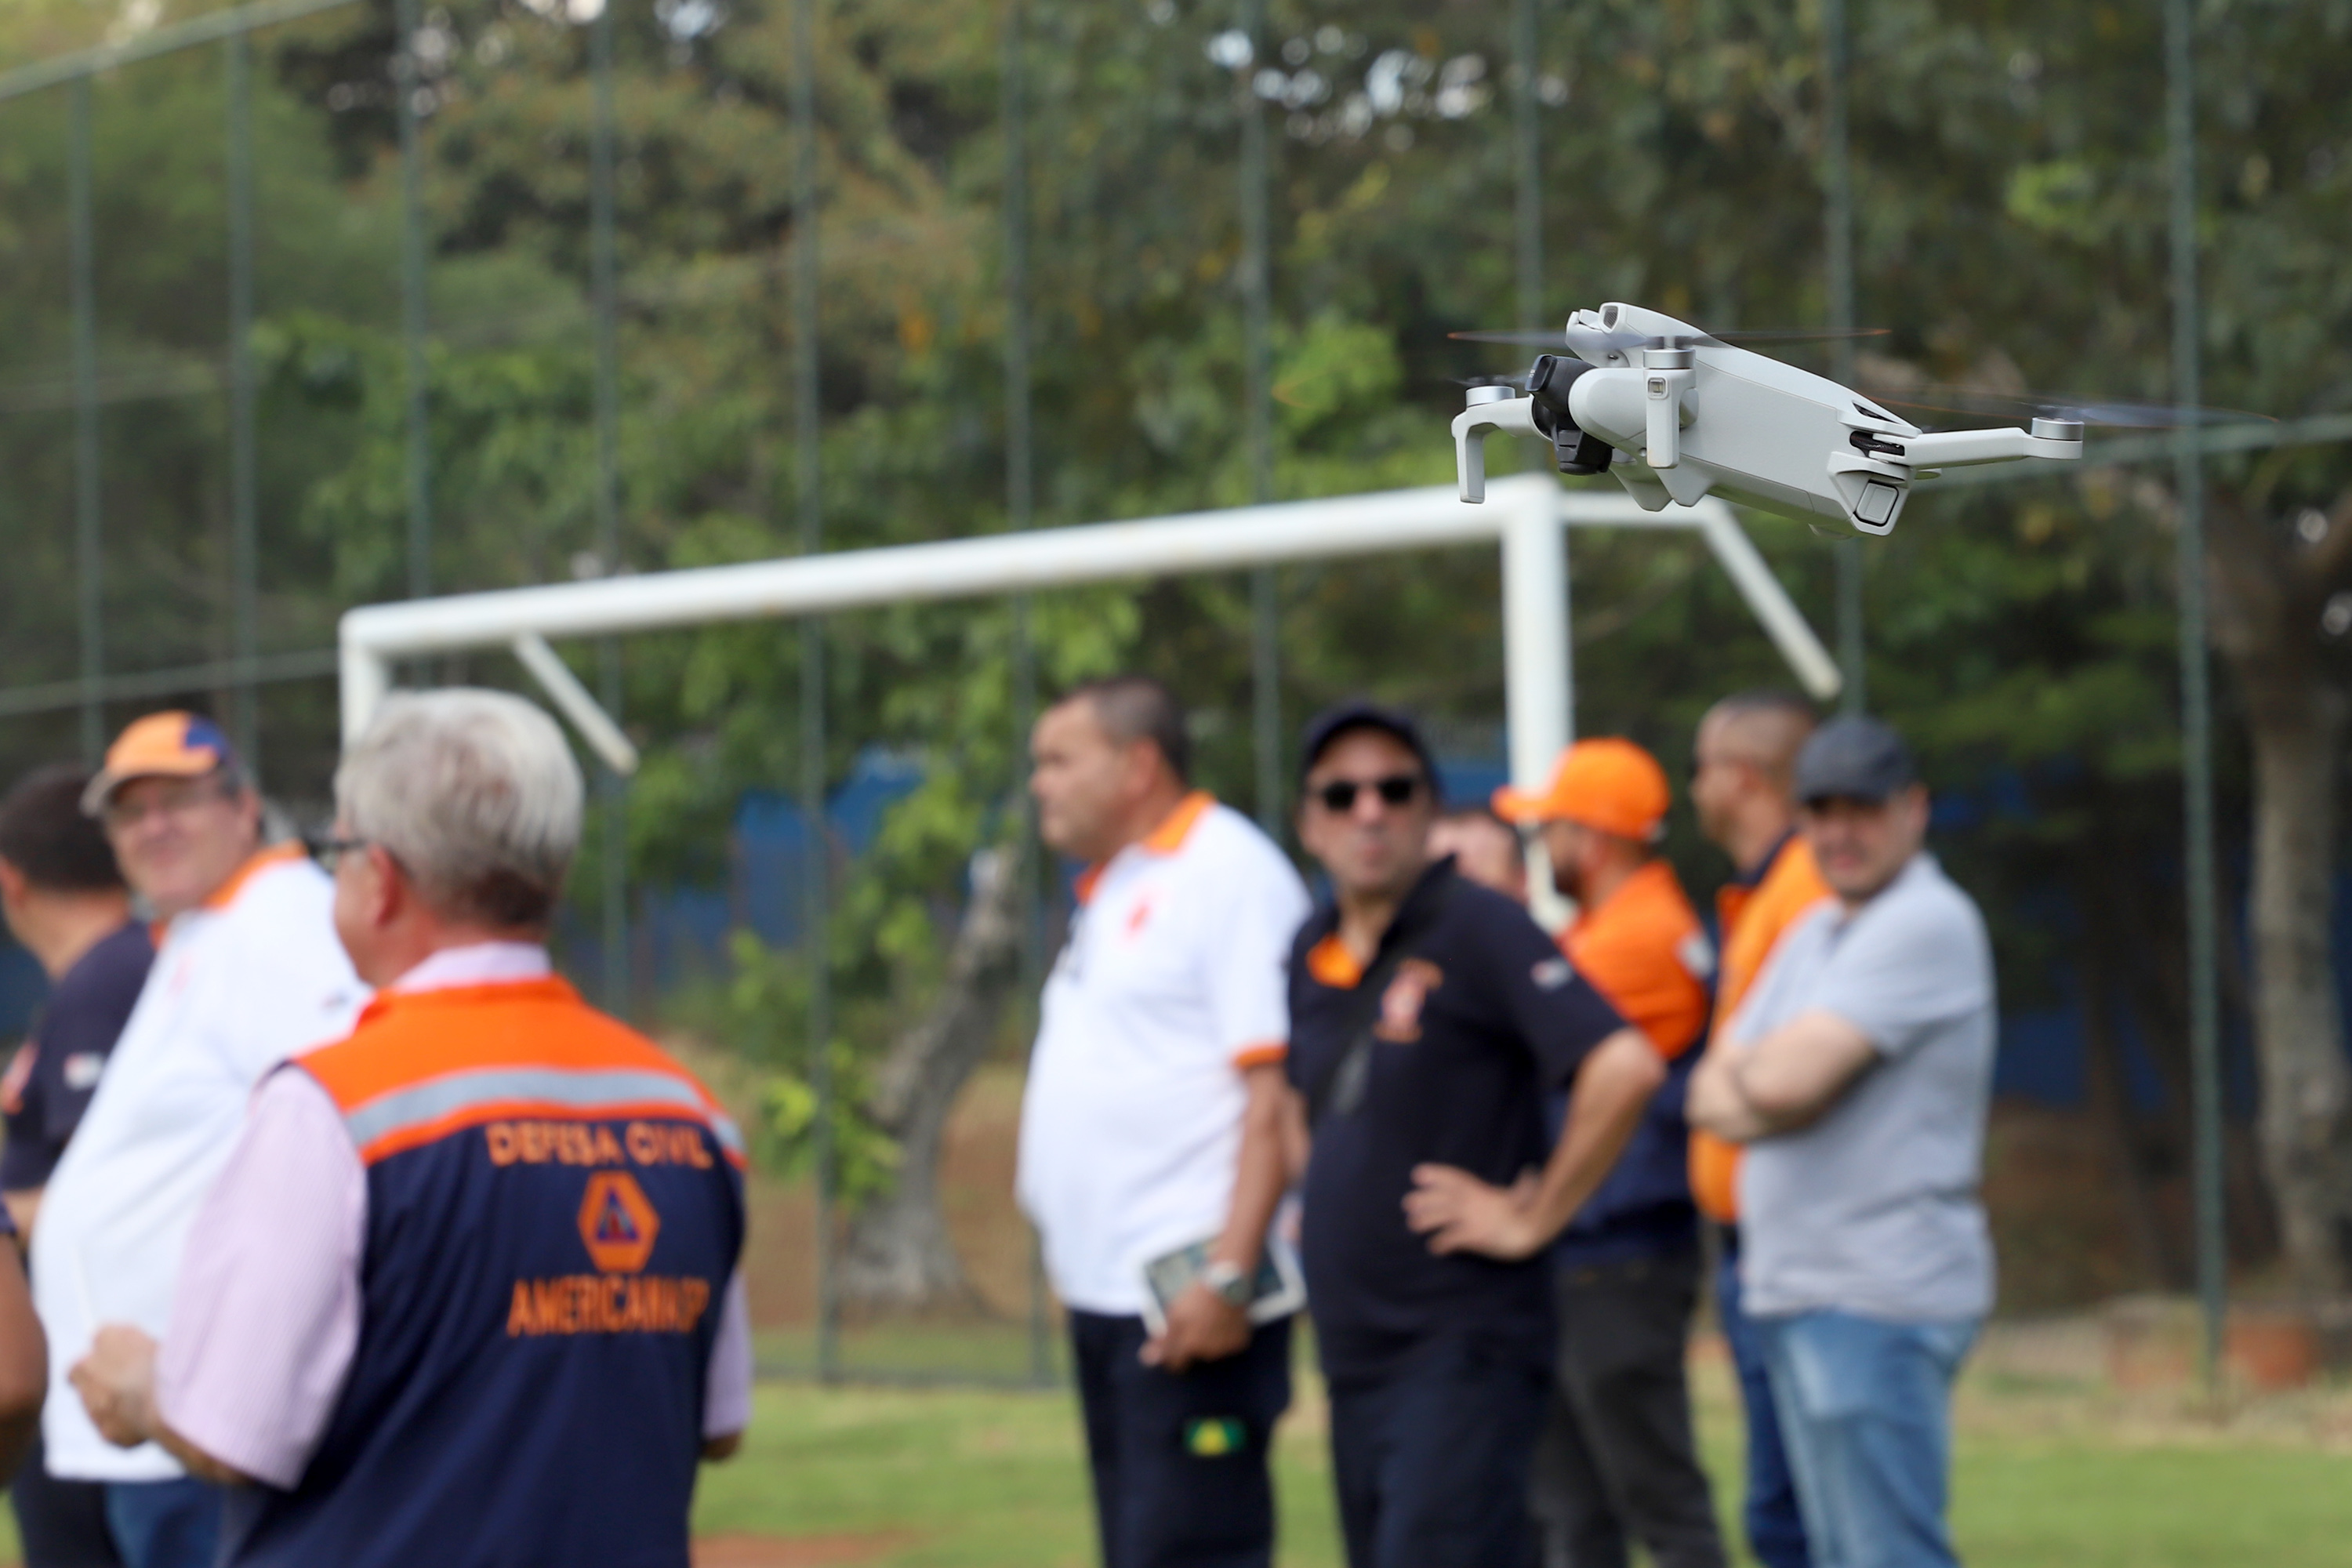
(1743, 771)
(1763, 729)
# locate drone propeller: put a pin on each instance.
(1719, 339)
(1519, 381)
(2026, 406)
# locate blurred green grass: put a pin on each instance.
(2049, 1474)
(2051, 1477)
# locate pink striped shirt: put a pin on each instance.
(265, 1317)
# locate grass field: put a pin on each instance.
(2050, 1475)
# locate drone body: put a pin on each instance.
(1677, 416)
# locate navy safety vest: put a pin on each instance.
(554, 1209)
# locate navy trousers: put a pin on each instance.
(1431, 1461)
(60, 1524)
(1179, 1459)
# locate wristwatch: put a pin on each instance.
(1227, 1281)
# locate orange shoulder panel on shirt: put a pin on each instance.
(275, 855)
(1754, 919)
(1331, 964)
(406, 1041)
(1633, 949)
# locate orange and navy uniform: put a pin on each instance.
(1643, 949)
(554, 1208)
(1752, 913)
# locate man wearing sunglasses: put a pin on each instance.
(1428, 1017)
(246, 972)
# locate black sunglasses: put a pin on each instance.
(1339, 796)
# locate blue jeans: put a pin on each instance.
(164, 1525)
(1776, 1531)
(1865, 1410)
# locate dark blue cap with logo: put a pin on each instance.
(1853, 758)
(1359, 713)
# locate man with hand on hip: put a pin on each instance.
(1619, 1461)
(1743, 790)
(1429, 1018)
(1152, 1124)
(1858, 1075)
(246, 972)
(466, 1292)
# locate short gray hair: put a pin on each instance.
(475, 793)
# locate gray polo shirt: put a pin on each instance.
(1872, 1209)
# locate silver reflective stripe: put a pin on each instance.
(548, 1086)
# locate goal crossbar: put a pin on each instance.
(1525, 514)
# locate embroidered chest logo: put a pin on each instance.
(1139, 917)
(618, 1223)
(1402, 1002)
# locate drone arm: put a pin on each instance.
(1516, 415)
(1953, 448)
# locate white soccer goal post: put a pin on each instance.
(1525, 514)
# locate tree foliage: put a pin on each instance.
(2011, 198)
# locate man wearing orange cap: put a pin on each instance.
(1618, 1461)
(246, 972)
(1743, 784)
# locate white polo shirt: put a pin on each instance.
(253, 976)
(1172, 982)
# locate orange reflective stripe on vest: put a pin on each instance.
(422, 1065)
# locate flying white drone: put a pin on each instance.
(1697, 416)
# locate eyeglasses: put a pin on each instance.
(1339, 796)
(329, 851)
(120, 815)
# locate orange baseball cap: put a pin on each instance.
(162, 745)
(1612, 784)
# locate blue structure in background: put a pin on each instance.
(677, 933)
(682, 932)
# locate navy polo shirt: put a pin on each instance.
(56, 1071)
(1479, 1022)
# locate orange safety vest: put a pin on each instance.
(1752, 917)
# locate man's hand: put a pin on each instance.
(117, 1384)
(1459, 1213)
(1202, 1326)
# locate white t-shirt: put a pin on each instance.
(238, 985)
(1172, 982)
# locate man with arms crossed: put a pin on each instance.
(1152, 1122)
(1429, 1016)
(465, 1293)
(247, 972)
(1858, 1075)
(64, 899)
(1618, 1462)
(1743, 788)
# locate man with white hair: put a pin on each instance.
(466, 1290)
(245, 972)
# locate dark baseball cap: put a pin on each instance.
(1360, 714)
(1854, 759)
